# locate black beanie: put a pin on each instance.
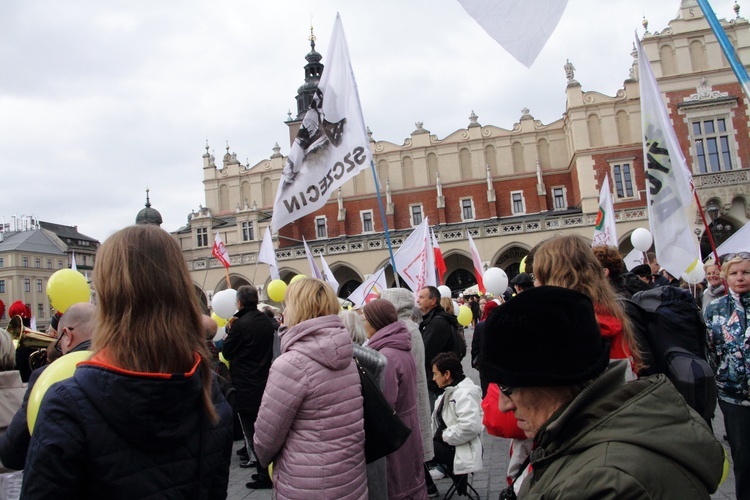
(545, 336)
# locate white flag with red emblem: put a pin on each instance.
(415, 259)
(605, 232)
(220, 252)
(369, 289)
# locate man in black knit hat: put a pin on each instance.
(595, 435)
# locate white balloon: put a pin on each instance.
(695, 276)
(455, 308)
(445, 292)
(224, 303)
(495, 281)
(641, 239)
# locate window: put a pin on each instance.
(84, 260)
(711, 139)
(59, 264)
(416, 214)
(248, 231)
(2, 286)
(25, 262)
(623, 180)
(2, 262)
(320, 227)
(26, 285)
(467, 209)
(39, 286)
(37, 262)
(366, 221)
(49, 263)
(201, 237)
(518, 204)
(40, 311)
(559, 200)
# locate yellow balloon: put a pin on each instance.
(67, 287)
(223, 359)
(522, 267)
(270, 471)
(297, 278)
(219, 321)
(61, 369)
(464, 315)
(275, 290)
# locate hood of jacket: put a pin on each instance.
(466, 385)
(147, 409)
(648, 413)
(324, 339)
(396, 336)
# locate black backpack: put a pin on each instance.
(676, 335)
(457, 337)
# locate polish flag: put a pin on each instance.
(478, 271)
(220, 252)
(439, 261)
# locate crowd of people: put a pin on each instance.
(565, 366)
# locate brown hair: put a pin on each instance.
(569, 262)
(380, 313)
(147, 316)
(309, 298)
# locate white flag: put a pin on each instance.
(328, 275)
(267, 255)
(605, 232)
(331, 146)
(73, 264)
(477, 261)
(415, 259)
(634, 258)
(369, 289)
(314, 271)
(668, 181)
(521, 27)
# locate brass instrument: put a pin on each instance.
(31, 339)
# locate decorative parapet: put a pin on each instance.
(727, 178)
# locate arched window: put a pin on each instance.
(623, 127)
(382, 174)
(407, 171)
(223, 198)
(267, 192)
(245, 194)
(464, 163)
(668, 63)
(490, 158)
(698, 56)
(359, 182)
(595, 131)
(432, 169)
(519, 165)
(542, 150)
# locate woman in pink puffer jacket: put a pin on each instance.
(310, 423)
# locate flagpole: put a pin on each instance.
(385, 222)
(229, 283)
(726, 47)
(708, 230)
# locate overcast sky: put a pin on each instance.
(100, 99)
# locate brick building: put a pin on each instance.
(509, 188)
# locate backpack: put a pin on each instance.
(457, 337)
(676, 335)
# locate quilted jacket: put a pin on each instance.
(310, 422)
(115, 434)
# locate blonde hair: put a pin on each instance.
(147, 316)
(447, 304)
(7, 351)
(724, 269)
(569, 262)
(307, 299)
(353, 322)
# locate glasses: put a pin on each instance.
(507, 391)
(742, 255)
(62, 334)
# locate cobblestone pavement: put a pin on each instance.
(488, 482)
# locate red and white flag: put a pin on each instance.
(605, 232)
(439, 261)
(477, 260)
(415, 259)
(220, 252)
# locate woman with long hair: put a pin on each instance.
(311, 420)
(392, 338)
(569, 262)
(144, 416)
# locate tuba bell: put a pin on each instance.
(32, 339)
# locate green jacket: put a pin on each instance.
(620, 440)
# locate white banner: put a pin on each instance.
(267, 255)
(328, 275)
(331, 146)
(668, 179)
(605, 232)
(314, 271)
(369, 289)
(415, 259)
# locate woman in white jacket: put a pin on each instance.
(457, 418)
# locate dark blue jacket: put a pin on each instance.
(111, 433)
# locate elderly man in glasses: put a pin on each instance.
(74, 333)
(595, 435)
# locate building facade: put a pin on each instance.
(509, 188)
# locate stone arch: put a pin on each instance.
(622, 118)
(509, 259)
(490, 158)
(464, 163)
(698, 59)
(519, 163)
(542, 149)
(382, 174)
(594, 126)
(223, 198)
(235, 280)
(268, 195)
(245, 194)
(459, 274)
(668, 62)
(347, 277)
(202, 298)
(407, 171)
(432, 169)
(359, 182)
